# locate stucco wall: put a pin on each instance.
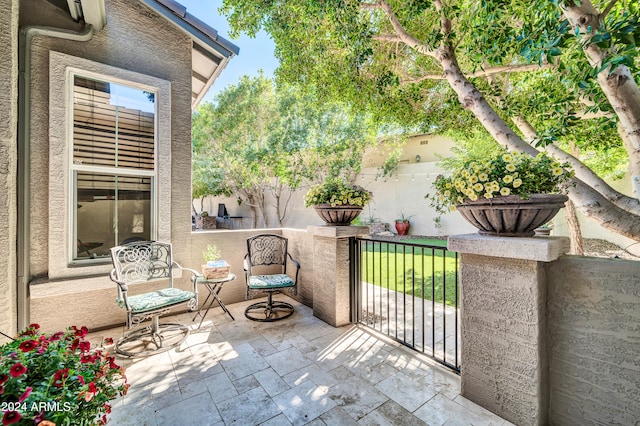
(8, 162)
(594, 328)
(134, 39)
(98, 294)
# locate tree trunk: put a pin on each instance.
(575, 234)
(254, 219)
(634, 167)
(472, 99)
(619, 86)
(276, 190)
(254, 198)
(586, 199)
(282, 207)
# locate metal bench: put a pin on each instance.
(146, 261)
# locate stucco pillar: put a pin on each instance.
(8, 164)
(504, 356)
(331, 297)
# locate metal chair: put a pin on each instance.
(265, 268)
(145, 261)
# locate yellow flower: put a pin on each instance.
(448, 185)
(555, 164)
(447, 193)
(473, 178)
(488, 195)
(483, 177)
(505, 191)
(557, 171)
(517, 183)
(473, 196)
(511, 168)
(507, 158)
(507, 179)
(478, 187)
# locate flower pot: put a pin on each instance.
(511, 216)
(338, 215)
(216, 269)
(402, 227)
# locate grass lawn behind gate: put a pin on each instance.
(419, 267)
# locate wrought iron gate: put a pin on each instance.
(410, 292)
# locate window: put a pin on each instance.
(113, 166)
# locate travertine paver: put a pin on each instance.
(297, 371)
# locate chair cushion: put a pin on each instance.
(157, 299)
(270, 281)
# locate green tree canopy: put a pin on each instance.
(422, 62)
(257, 138)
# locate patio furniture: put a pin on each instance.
(214, 285)
(265, 267)
(140, 262)
(223, 220)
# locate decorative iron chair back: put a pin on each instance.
(142, 261)
(266, 250)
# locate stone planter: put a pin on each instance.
(511, 216)
(338, 215)
(378, 227)
(205, 222)
(216, 269)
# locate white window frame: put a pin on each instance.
(62, 67)
(115, 171)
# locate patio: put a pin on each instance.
(296, 371)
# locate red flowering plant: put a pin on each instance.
(58, 378)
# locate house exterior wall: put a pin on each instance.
(8, 162)
(594, 362)
(136, 40)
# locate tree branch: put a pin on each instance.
(607, 9)
(369, 6)
(393, 38)
(401, 32)
(482, 73)
(584, 173)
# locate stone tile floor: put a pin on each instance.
(293, 372)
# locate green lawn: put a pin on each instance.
(411, 269)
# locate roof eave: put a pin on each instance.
(189, 25)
